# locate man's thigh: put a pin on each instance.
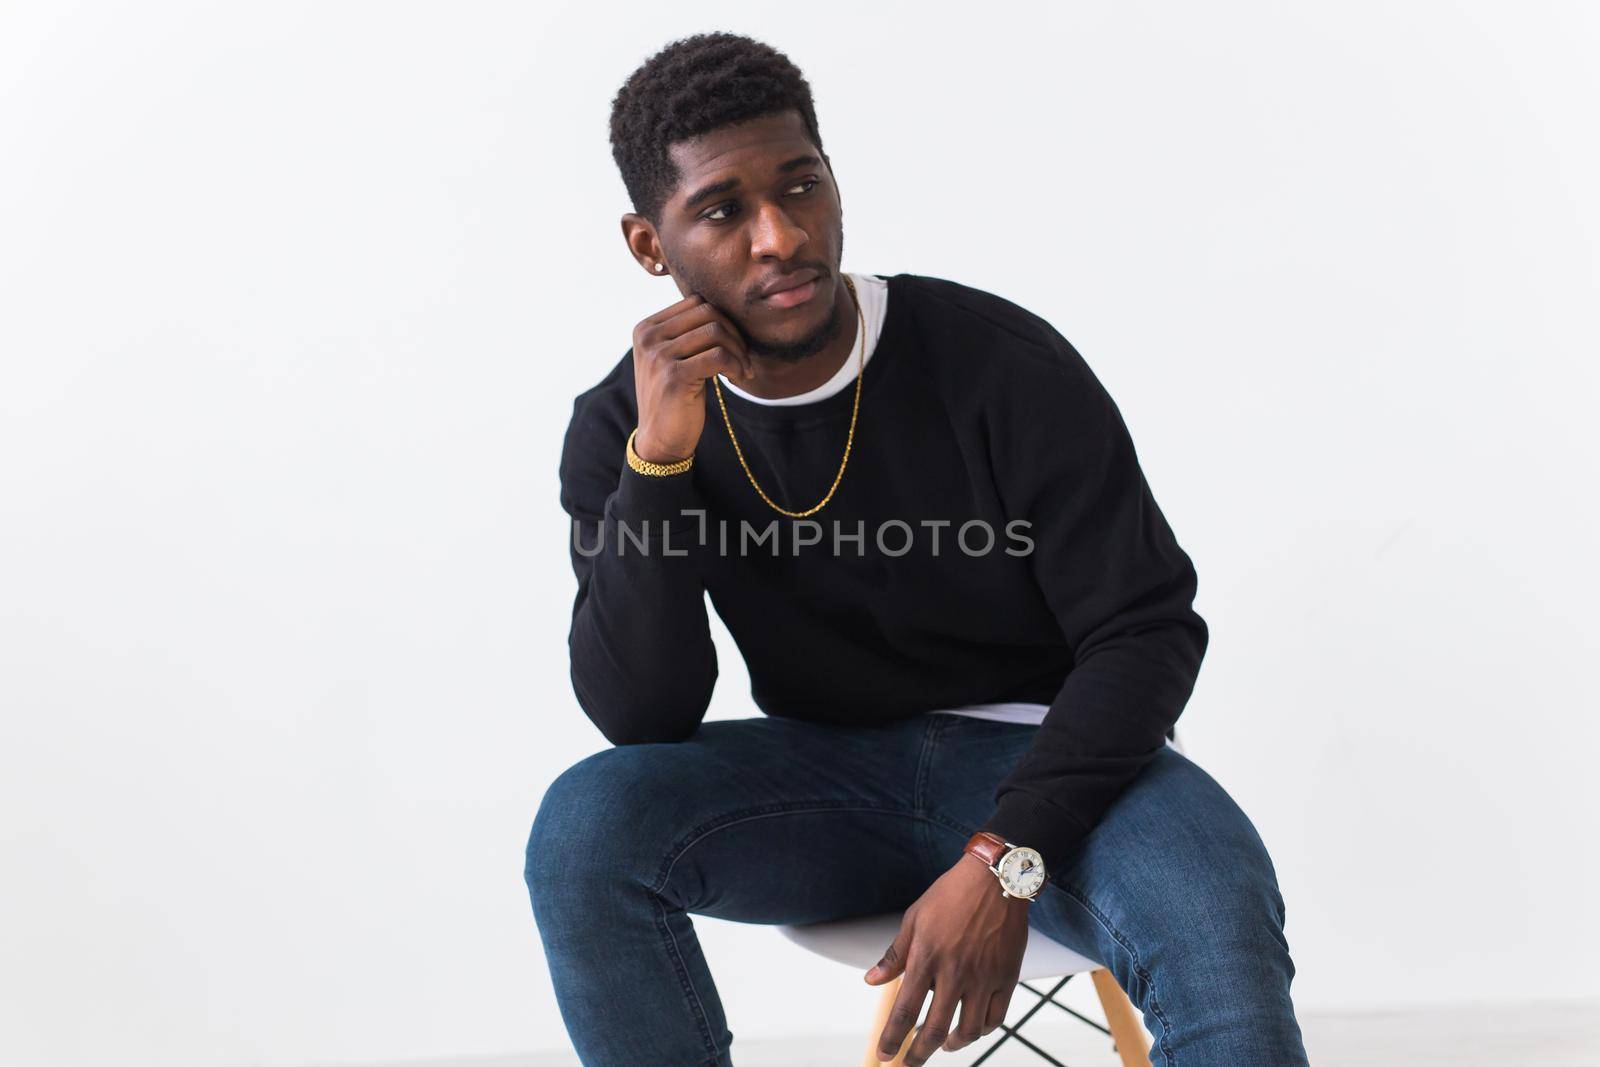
(1174, 891)
(763, 820)
(1174, 856)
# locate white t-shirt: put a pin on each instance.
(873, 292)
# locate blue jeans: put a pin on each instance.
(772, 820)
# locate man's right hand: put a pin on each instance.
(675, 352)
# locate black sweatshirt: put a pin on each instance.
(992, 539)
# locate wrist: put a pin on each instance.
(1018, 869)
(647, 450)
(986, 893)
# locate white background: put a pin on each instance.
(294, 300)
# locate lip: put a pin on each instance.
(788, 298)
(794, 282)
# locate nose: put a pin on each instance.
(774, 235)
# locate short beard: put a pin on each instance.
(795, 351)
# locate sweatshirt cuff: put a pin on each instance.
(1024, 819)
(655, 497)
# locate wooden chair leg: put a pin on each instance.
(885, 1005)
(1121, 1019)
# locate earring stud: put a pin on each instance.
(660, 267)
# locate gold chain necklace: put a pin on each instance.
(854, 411)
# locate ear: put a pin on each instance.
(644, 245)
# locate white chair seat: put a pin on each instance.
(860, 943)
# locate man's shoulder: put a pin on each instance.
(606, 408)
(592, 446)
(611, 391)
(1038, 399)
(973, 322)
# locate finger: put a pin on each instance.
(999, 1005)
(673, 309)
(695, 329)
(974, 1011)
(936, 1027)
(721, 316)
(903, 1014)
(689, 318)
(707, 335)
(651, 333)
(716, 360)
(894, 957)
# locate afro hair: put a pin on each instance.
(690, 87)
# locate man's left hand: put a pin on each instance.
(964, 941)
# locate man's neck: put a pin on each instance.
(778, 378)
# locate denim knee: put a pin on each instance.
(571, 803)
(1222, 983)
(593, 817)
(1221, 936)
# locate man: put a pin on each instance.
(967, 625)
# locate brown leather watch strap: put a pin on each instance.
(987, 847)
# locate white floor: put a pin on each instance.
(1549, 1035)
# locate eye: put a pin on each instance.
(808, 184)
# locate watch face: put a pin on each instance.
(1022, 872)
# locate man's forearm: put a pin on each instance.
(1108, 721)
(643, 662)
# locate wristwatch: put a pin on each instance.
(1019, 868)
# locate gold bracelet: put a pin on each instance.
(644, 466)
